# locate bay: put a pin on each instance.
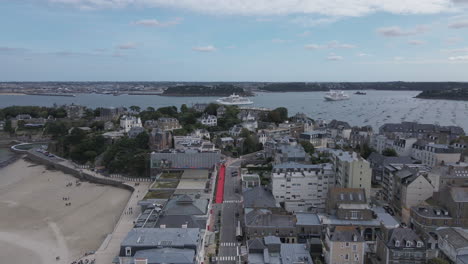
(375, 108)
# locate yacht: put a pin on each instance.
(234, 99)
(336, 96)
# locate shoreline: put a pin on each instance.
(39, 223)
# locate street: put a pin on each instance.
(229, 248)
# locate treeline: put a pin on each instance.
(201, 90)
(452, 94)
(33, 111)
(397, 86)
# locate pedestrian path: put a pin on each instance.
(225, 258)
(230, 244)
(233, 201)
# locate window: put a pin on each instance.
(347, 244)
(128, 251)
(346, 257)
(356, 257)
(354, 247)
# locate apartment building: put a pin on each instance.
(352, 171)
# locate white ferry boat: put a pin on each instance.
(336, 96)
(234, 99)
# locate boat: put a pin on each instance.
(234, 99)
(360, 93)
(336, 96)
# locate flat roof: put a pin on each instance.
(190, 184)
(195, 174)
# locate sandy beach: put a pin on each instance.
(35, 224)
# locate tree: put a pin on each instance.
(135, 108)
(244, 133)
(184, 108)
(211, 109)
(150, 109)
(438, 261)
(7, 126)
(366, 151)
(308, 147)
(56, 129)
(142, 140)
(389, 152)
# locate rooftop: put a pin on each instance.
(153, 237)
(456, 237)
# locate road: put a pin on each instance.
(229, 246)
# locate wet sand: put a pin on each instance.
(35, 224)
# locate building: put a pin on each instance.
(188, 159)
(160, 139)
(302, 187)
(168, 123)
(135, 131)
(208, 120)
(250, 180)
(202, 133)
(290, 152)
(75, 111)
(270, 249)
(427, 218)
(339, 129)
(378, 162)
(317, 138)
(263, 222)
(110, 113)
(348, 203)
(139, 242)
(451, 175)
(127, 122)
(360, 136)
(352, 171)
(199, 107)
(455, 201)
(221, 111)
(381, 142)
(421, 131)
(404, 146)
(343, 244)
(453, 242)
(435, 154)
(400, 245)
(235, 130)
(259, 197)
(411, 187)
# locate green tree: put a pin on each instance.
(150, 109)
(389, 152)
(438, 261)
(135, 108)
(168, 111)
(142, 140)
(365, 151)
(184, 108)
(308, 147)
(56, 129)
(211, 109)
(7, 126)
(244, 133)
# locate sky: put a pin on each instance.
(234, 40)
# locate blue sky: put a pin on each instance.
(234, 40)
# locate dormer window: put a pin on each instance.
(419, 244)
(397, 243)
(409, 243)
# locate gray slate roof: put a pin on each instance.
(184, 205)
(402, 235)
(259, 197)
(167, 255)
(459, 194)
(454, 236)
(154, 237)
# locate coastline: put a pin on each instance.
(36, 225)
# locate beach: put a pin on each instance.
(36, 226)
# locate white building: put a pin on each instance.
(453, 242)
(317, 138)
(404, 146)
(302, 187)
(434, 154)
(127, 122)
(352, 171)
(209, 120)
(381, 142)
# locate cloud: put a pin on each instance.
(208, 48)
(280, 41)
(459, 58)
(454, 51)
(416, 42)
(453, 40)
(334, 57)
(263, 19)
(304, 34)
(117, 54)
(395, 31)
(342, 8)
(459, 24)
(11, 49)
(231, 47)
(313, 22)
(128, 45)
(330, 45)
(362, 54)
(157, 23)
(399, 58)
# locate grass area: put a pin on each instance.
(164, 184)
(171, 175)
(158, 194)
